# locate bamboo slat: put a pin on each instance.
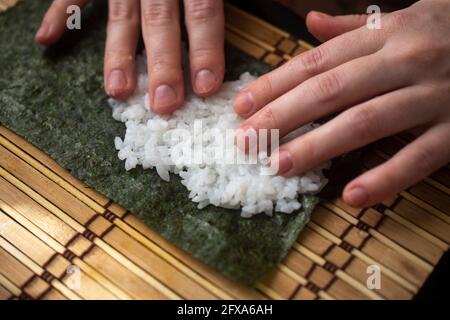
(51, 223)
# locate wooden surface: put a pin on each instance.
(60, 239)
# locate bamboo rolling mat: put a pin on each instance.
(59, 239)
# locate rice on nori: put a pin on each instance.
(153, 141)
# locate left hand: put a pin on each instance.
(385, 81)
(158, 22)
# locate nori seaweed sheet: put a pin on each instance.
(54, 98)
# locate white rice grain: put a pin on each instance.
(151, 141)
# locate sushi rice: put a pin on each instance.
(194, 143)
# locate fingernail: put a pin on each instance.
(244, 103)
(116, 81)
(284, 160)
(43, 31)
(357, 197)
(205, 81)
(165, 96)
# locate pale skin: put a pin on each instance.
(158, 22)
(381, 82)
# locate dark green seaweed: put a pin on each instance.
(54, 98)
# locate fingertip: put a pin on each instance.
(314, 17)
(45, 35)
(318, 24)
(317, 15)
(119, 84)
(120, 94)
(356, 196)
(243, 104)
(206, 82)
(40, 40)
(166, 99)
(283, 161)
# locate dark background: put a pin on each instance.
(289, 15)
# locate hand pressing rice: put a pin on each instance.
(194, 142)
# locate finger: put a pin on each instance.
(161, 30)
(324, 27)
(330, 92)
(410, 165)
(205, 26)
(122, 37)
(337, 51)
(54, 23)
(372, 120)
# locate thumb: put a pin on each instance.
(324, 27)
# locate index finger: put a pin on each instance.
(358, 43)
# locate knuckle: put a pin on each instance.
(396, 21)
(313, 61)
(120, 10)
(202, 53)
(261, 88)
(365, 122)
(417, 55)
(156, 13)
(406, 56)
(308, 150)
(207, 57)
(266, 119)
(424, 160)
(266, 85)
(428, 53)
(163, 64)
(327, 86)
(118, 58)
(160, 65)
(201, 10)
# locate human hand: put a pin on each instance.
(159, 22)
(383, 81)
